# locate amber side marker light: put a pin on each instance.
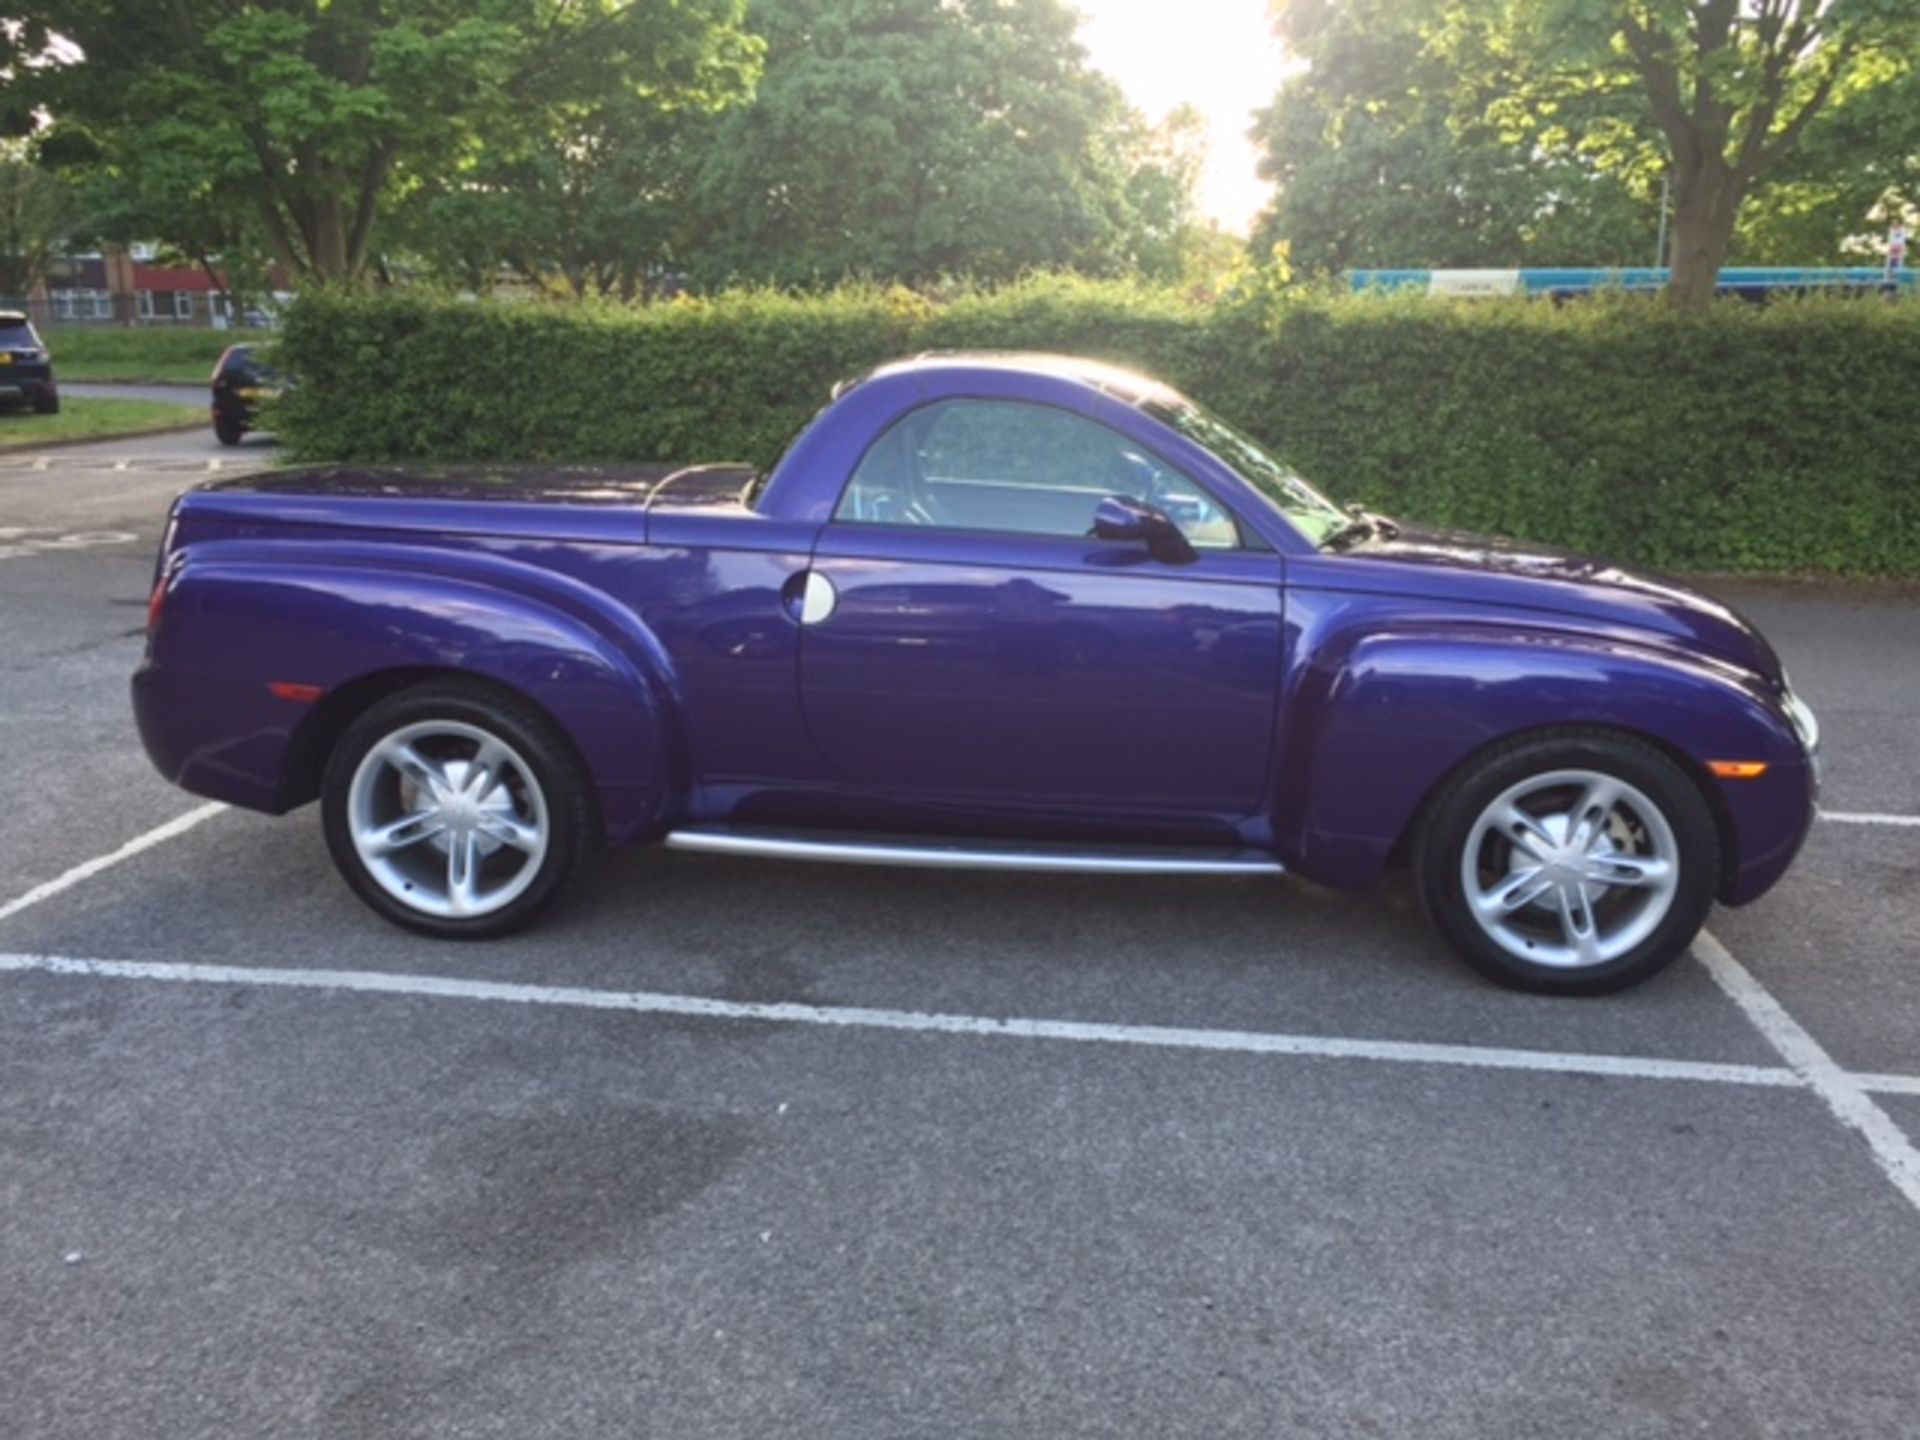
(286, 690)
(1738, 769)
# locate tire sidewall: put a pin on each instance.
(1443, 839)
(546, 755)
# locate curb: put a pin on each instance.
(71, 441)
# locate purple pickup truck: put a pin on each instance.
(1006, 611)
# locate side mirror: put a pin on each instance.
(1135, 522)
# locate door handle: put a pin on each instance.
(809, 597)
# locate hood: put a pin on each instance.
(1483, 569)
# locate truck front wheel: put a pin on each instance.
(1570, 862)
(455, 810)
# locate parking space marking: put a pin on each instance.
(1869, 817)
(66, 880)
(1246, 1042)
(1808, 1065)
(79, 459)
(1889, 1084)
(1841, 1092)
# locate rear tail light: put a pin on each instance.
(157, 602)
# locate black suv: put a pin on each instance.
(26, 369)
(241, 382)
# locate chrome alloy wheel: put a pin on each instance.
(1570, 868)
(448, 819)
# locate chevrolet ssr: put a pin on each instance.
(984, 611)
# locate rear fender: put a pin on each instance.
(245, 614)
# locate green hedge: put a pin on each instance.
(1779, 438)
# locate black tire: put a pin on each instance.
(227, 432)
(570, 808)
(46, 403)
(1439, 857)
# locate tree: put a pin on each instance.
(1733, 86)
(1163, 164)
(37, 213)
(908, 139)
(1397, 146)
(582, 185)
(313, 118)
(1854, 171)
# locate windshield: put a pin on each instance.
(17, 334)
(1317, 517)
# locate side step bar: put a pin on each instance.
(934, 855)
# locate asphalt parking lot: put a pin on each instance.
(736, 1149)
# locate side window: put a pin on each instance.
(1012, 466)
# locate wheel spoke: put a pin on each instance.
(486, 769)
(1629, 870)
(1596, 804)
(511, 830)
(1576, 923)
(463, 877)
(399, 834)
(1519, 889)
(1524, 830)
(415, 766)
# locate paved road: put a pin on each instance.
(252, 1202)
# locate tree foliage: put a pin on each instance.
(1397, 146)
(314, 119)
(1433, 132)
(909, 139)
(37, 214)
(1732, 85)
(582, 185)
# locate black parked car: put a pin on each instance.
(241, 383)
(26, 369)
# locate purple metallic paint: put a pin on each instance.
(968, 684)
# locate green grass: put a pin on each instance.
(92, 420)
(135, 356)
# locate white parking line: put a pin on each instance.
(1841, 1092)
(66, 880)
(1245, 1042)
(1869, 817)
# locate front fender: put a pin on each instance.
(241, 615)
(1377, 718)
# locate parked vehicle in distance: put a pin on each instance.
(242, 383)
(26, 366)
(984, 611)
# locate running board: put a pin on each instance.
(936, 855)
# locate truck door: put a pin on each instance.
(965, 642)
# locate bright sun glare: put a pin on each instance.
(1218, 55)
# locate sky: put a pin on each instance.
(1220, 55)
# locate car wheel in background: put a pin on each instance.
(456, 810)
(1569, 862)
(227, 432)
(47, 402)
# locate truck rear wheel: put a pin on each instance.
(455, 811)
(1569, 863)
